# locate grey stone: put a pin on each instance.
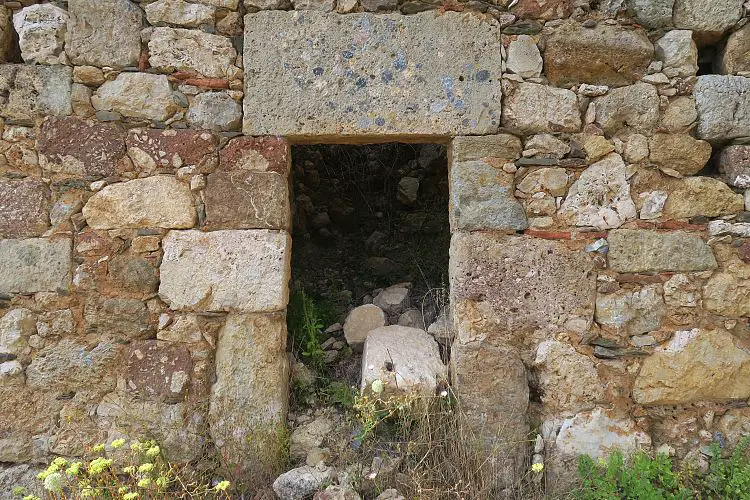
(709, 20)
(215, 111)
(35, 265)
(41, 33)
(360, 321)
(232, 270)
(180, 13)
(723, 104)
(635, 108)
(408, 189)
(637, 251)
(193, 51)
(630, 312)
(652, 13)
(677, 50)
(734, 163)
(310, 435)
(20, 475)
(69, 365)
(318, 5)
(524, 58)
(128, 318)
(392, 300)
(302, 482)
(340, 87)
(736, 54)
(532, 108)
(28, 92)
(16, 326)
(412, 318)
(505, 147)
(104, 33)
(137, 95)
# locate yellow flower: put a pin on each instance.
(222, 486)
(60, 462)
(147, 467)
(74, 469)
(130, 496)
(537, 467)
(98, 448)
(153, 451)
(162, 482)
(98, 465)
(53, 482)
(117, 443)
(136, 446)
(143, 483)
(377, 386)
(31, 497)
(130, 469)
(601, 462)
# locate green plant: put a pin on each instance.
(340, 393)
(306, 325)
(729, 477)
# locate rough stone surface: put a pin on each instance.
(232, 270)
(104, 33)
(679, 152)
(696, 365)
(404, 359)
(216, 111)
(723, 104)
(604, 55)
(75, 147)
(709, 20)
(158, 201)
(137, 95)
(16, 326)
(679, 115)
(35, 265)
(247, 200)
(360, 321)
(459, 90)
(25, 205)
(127, 318)
(524, 58)
(193, 51)
(6, 34)
(677, 50)
(151, 149)
(542, 9)
(41, 33)
(249, 398)
(734, 163)
(635, 107)
(727, 291)
(393, 300)
(180, 13)
(69, 365)
(652, 13)
(736, 55)
(158, 370)
(631, 312)
(637, 251)
(505, 147)
(601, 196)
(705, 196)
(27, 92)
(310, 435)
(568, 379)
(264, 154)
(302, 482)
(533, 108)
(22, 475)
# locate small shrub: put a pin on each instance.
(306, 326)
(729, 477)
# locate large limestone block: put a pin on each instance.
(404, 359)
(104, 33)
(677, 50)
(41, 33)
(705, 196)
(532, 108)
(505, 147)
(247, 200)
(736, 54)
(72, 366)
(317, 74)
(679, 152)
(35, 265)
(232, 270)
(630, 312)
(696, 365)
(25, 205)
(638, 251)
(709, 20)
(137, 95)
(635, 108)
(360, 322)
(158, 201)
(723, 104)
(194, 51)
(506, 289)
(603, 55)
(180, 13)
(250, 397)
(652, 13)
(27, 92)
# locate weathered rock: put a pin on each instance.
(69, 365)
(16, 326)
(524, 58)
(233, 270)
(679, 115)
(604, 55)
(637, 251)
(336, 492)
(652, 206)
(215, 111)
(247, 200)
(601, 196)
(56, 323)
(329, 5)
(677, 50)
(395, 49)
(104, 33)
(184, 328)
(137, 95)
(158, 370)
(631, 312)
(532, 108)
(709, 20)
(302, 482)
(547, 145)
(30, 91)
(727, 292)
(568, 380)
(152, 149)
(191, 50)
(393, 300)
(680, 291)
(723, 104)
(25, 205)
(543, 9)
(179, 13)
(128, 318)
(35, 265)
(75, 147)
(504, 147)
(250, 396)
(309, 436)
(696, 365)
(679, 152)
(734, 425)
(407, 190)
(736, 55)
(403, 359)
(551, 180)
(635, 107)
(636, 149)
(706, 196)
(264, 154)
(158, 201)
(652, 13)
(6, 34)
(412, 318)
(734, 163)
(41, 33)
(596, 147)
(361, 321)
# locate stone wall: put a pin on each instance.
(600, 273)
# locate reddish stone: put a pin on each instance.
(548, 235)
(171, 148)
(158, 370)
(143, 61)
(543, 9)
(24, 204)
(269, 154)
(75, 147)
(744, 252)
(91, 243)
(644, 279)
(208, 83)
(243, 199)
(676, 224)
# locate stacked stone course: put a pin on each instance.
(600, 268)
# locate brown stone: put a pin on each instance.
(158, 370)
(247, 200)
(543, 9)
(133, 274)
(128, 318)
(266, 154)
(24, 205)
(679, 152)
(604, 55)
(734, 163)
(169, 149)
(75, 147)
(706, 196)
(736, 56)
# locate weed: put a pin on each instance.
(305, 321)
